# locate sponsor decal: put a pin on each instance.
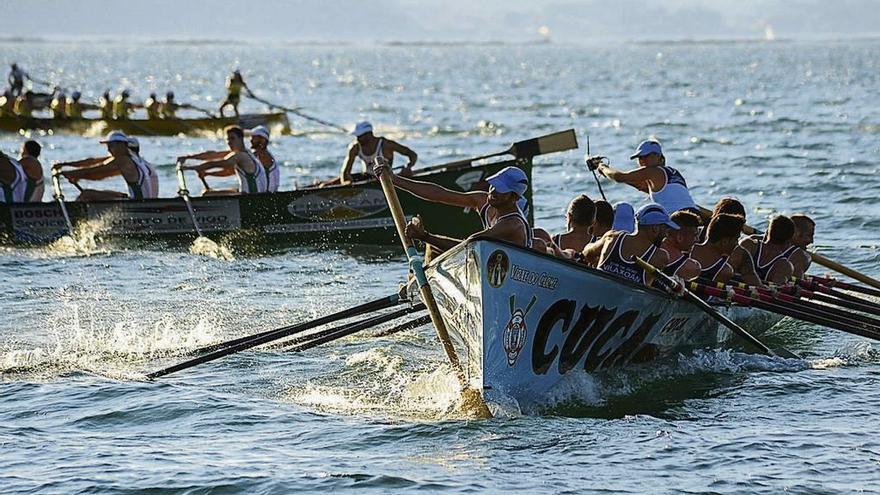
(165, 217)
(588, 333)
(542, 280)
(674, 325)
(497, 268)
(40, 223)
(341, 204)
(515, 333)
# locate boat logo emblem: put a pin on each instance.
(497, 268)
(515, 333)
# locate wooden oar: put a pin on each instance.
(810, 284)
(369, 307)
(529, 148)
(259, 339)
(818, 258)
(183, 192)
(296, 111)
(59, 197)
(471, 398)
(329, 335)
(673, 286)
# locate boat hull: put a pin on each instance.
(144, 127)
(521, 321)
(354, 214)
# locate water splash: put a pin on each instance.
(83, 242)
(206, 247)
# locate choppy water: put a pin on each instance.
(784, 126)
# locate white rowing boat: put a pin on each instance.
(520, 320)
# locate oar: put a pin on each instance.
(329, 335)
(837, 284)
(199, 109)
(471, 397)
(529, 148)
(818, 258)
(59, 197)
(183, 192)
(301, 114)
(803, 289)
(416, 323)
(810, 283)
(673, 286)
(593, 169)
(369, 307)
(259, 339)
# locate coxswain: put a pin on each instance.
(579, 219)
(122, 108)
(33, 171)
(604, 219)
(24, 104)
(121, 161)
(16, 79)
(368, 147)
(105, 105)
(804, 230)
(59, 105)
(135, 147)
(499, 211)
(664, 185)
(769, 255)
(616, 250)
(13, 180)
(260, 148)
(234, 85)
(679, 243)
(237, 160)
(152, 106)
(713, 255)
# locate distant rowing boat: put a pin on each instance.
(354, 213)
(521, 321)
(143, 127)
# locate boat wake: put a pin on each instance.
(206, 247)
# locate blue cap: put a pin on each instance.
(646, 148)
(510, 179)
(624, 217)
(654, 214)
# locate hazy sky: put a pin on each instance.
(444, 20)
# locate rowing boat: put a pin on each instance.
(355, 213)
(144, 127)
(522, 321)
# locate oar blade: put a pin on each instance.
(551, 143)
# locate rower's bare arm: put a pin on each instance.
(741, 262)
(87, 162)
(690, 270)
(205, 155)
(92, 173)
(593, 251)
(781, 272)
(405, 151)
(725, 274)
(212, 164)
(800, 262)
(640, 178)
(218, 172)
(345, 172)
(439, 194)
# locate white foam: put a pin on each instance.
(206, 247)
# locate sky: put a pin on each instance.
(440, 20)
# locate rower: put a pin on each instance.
(12, 180)
(769, 256)
(804, 230)
(169, 107)
(579, 219)
(664, 185)
(135, 147)
(713, 255)
(604, 219)
(234, 84)
(16, 79)
(120, 162)
(743, 268)
(105, 104)
(237, 160)
(152, 106)
(678, 244)
(368, 147)
(24, 104)
(122, 108)
(616, 250)
(74, 108)
(33, 171)
(59, 105)
(7, 103)
(501, 216)
(260, 148)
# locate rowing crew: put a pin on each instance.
(610, 240)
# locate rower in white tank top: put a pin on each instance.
(147, 184)
(273, 173)
(14, 192)
(370, 160)
(252, 183)
(674, 196)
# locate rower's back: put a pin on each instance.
(769, 255)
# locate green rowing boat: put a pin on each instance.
(144, 127)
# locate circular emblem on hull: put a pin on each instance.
(496, 268)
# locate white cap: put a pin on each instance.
(133, 142)
(115, 137)
(362, 128)
(260, 131)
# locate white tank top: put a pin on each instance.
(252, 183)
(675, 194)
(147, 184)
(14, 192)
(273, 173)
(370, 160)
